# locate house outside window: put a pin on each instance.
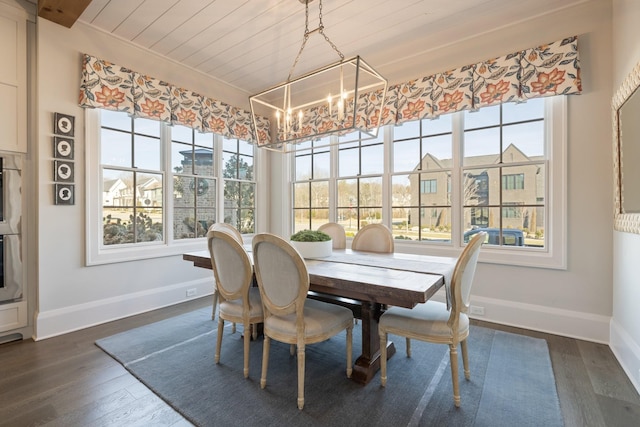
(513, 182)
(429, 186)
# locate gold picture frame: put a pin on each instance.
(628, 222)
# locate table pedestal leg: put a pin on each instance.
(368, 364)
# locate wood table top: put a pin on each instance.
(394, 279)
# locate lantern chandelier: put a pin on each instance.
(336, 99)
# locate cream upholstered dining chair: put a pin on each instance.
(432, 321)
(373, 238)
(239, 300)
(290, 317)
(337, 233)
(231, 230)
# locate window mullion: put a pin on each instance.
(167, 178)
(387, 211)
(220, 181)
(457, 181)
(333, 182)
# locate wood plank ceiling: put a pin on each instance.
(251, 44)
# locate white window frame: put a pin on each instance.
(552, 256)
(97, 254)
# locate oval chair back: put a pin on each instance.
(337, 233)
(373, 238)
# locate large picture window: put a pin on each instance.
(435, 183)
(162, 186)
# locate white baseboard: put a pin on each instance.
(567, 323)
(627, 351)
(573, 324)
(57, 322)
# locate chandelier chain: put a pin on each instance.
(307, 33)
(321, 31)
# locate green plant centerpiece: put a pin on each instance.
(312, 243)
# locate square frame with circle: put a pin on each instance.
(63, 171)
(64, 194)
(63, 124)
(63, 148)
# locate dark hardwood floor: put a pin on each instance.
(68, 381)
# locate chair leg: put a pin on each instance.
(233, 328)
(300, 375)
(349, 351)
(254, 331)
(219, 340)
(408, 341)
(247, 340)
(453, 355)
(292, 349)
(215, 304)
(265, 361)
(465, 359)
(383, 358)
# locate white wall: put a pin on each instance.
(625, 325)
(70, 295)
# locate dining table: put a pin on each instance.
(367, 283)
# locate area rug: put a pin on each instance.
(512, 381)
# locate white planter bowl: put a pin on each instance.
(314, 249)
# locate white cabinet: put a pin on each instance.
(13, 78)
(13, 121)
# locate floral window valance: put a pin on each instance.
(112, 87)
(546, 70)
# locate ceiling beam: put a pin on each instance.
(63, 12)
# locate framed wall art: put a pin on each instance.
(63, 148)
(63, 124)
(64, 194)
(63, 171)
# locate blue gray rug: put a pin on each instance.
(512, 382)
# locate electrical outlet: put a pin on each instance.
(479, 311)
(191, 292)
